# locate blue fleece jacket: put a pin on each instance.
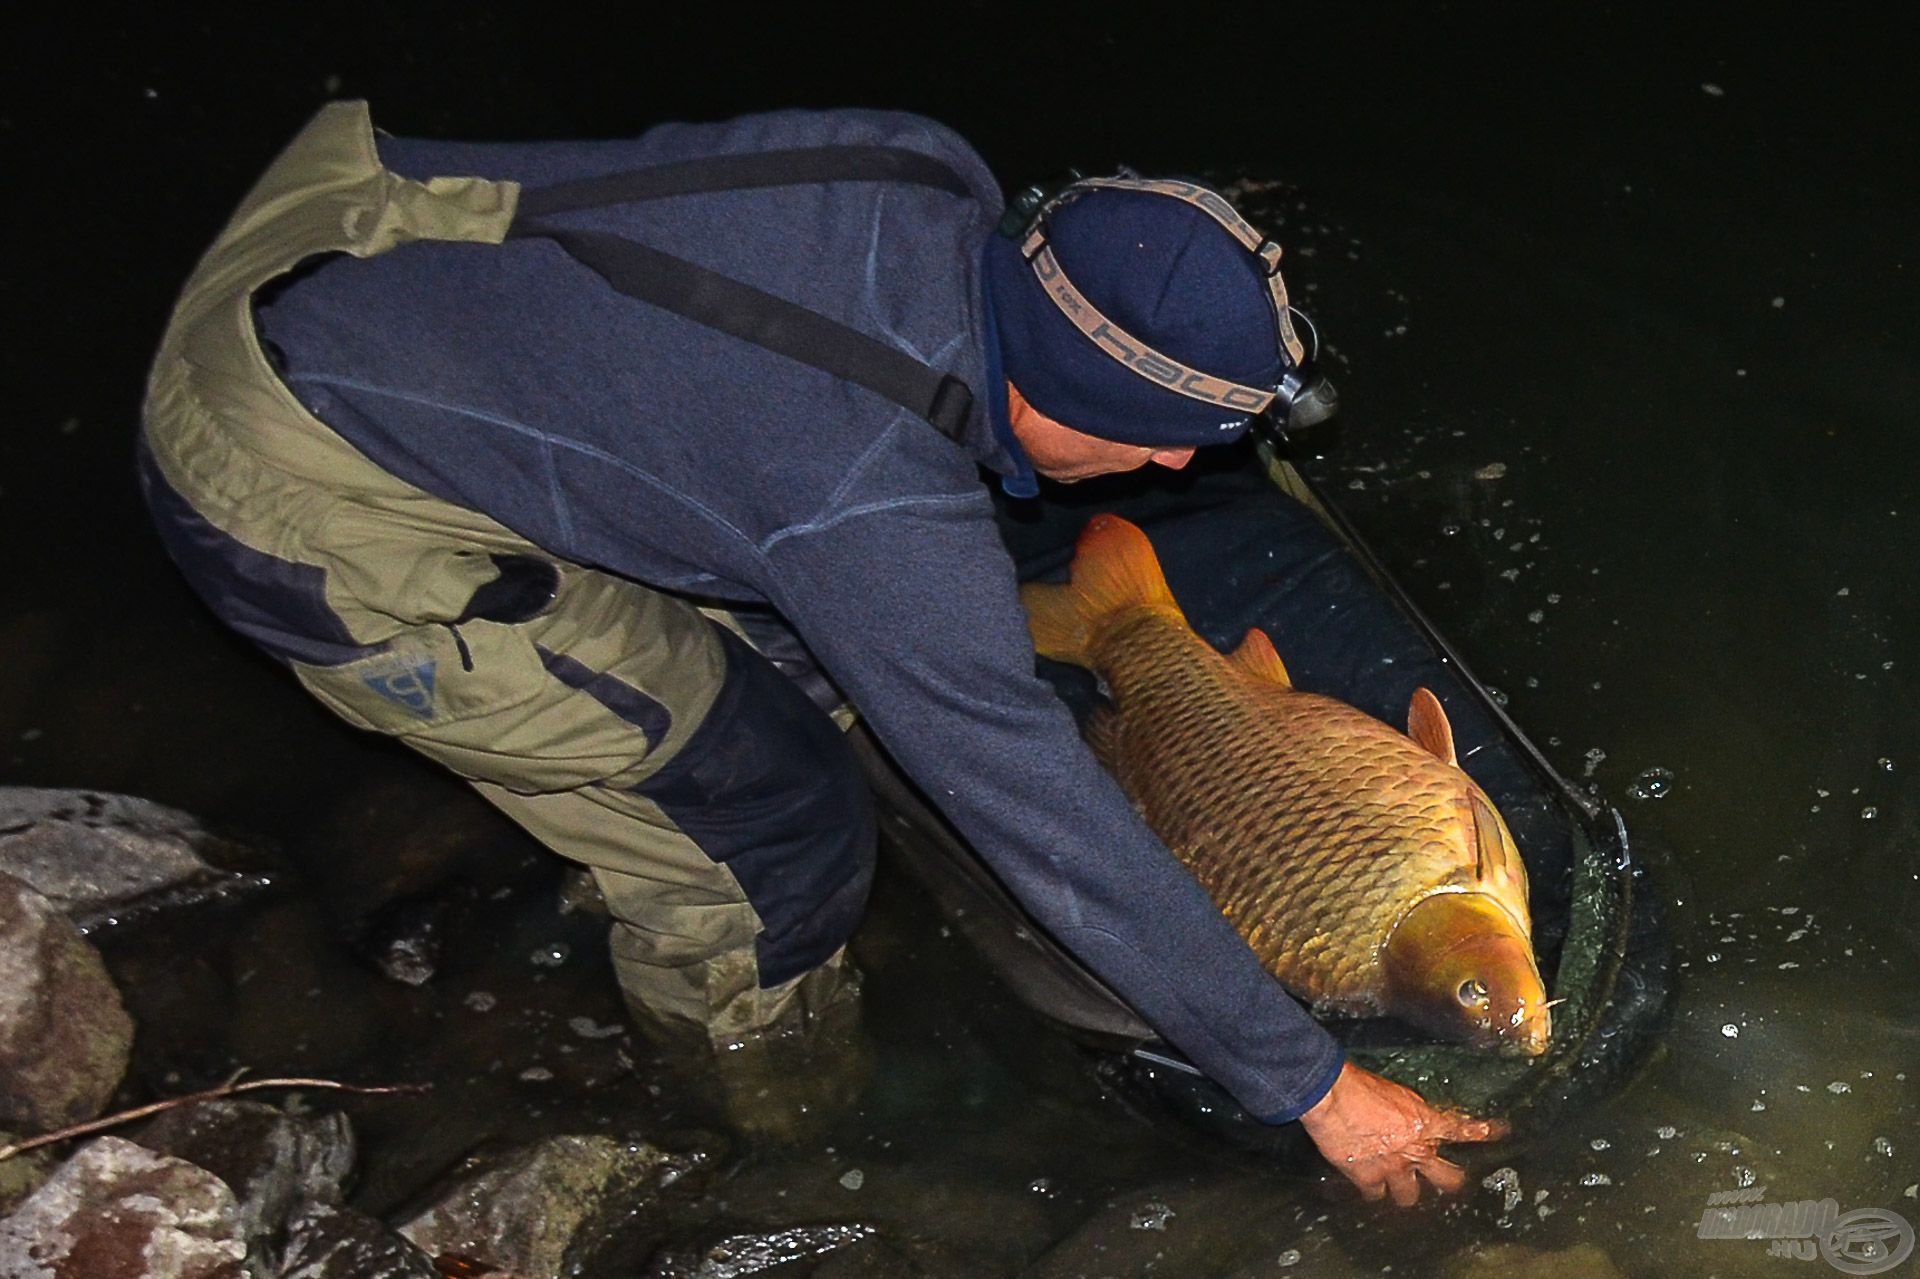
(511, 380)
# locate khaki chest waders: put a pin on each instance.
(614, 722)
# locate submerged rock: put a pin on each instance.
(118, 1211)
(1583, 1261)
(407, 939)
(837, 1250)
(271, 1160)
(101, 857)
(327, 1241)
(535, 1209)
(64, 1035)
(739, 1255)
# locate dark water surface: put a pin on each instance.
(1624, 317)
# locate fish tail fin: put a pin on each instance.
(1114, 571)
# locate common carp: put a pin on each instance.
(1364, 867)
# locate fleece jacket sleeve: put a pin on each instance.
(912, 606)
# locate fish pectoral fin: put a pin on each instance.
(1497, 860)
(1256, 656)
(1427, 725)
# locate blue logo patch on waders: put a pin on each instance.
(411, 686)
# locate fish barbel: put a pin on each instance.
(1364, 867)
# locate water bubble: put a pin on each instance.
(1291, 1257)
(1041, 1186)
(1881, 1146)
(1536, 616)
(1666, 1132)
(1713, 90)
(1839, 1086)
(536, 1074)
(1596, 1179)
(1504, 1182)
(1744, 1177)
(853, 1179)
(1886, 765)
(1552, 598)
(551, 955)
(1730, 1030)
(1594, 758)
(1651, 783)
(1598, 1143)
(480, 1001)
(1869, 813)
(1449, 530)
(1152, 1216)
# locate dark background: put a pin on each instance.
(1621, 305)
(1576, 221)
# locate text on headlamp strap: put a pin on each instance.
(1215, 206)
(1137, 355)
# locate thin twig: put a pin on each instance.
(227, 1089)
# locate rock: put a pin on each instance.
(534, 1209)
(853, 1250)
(117, 1211)
(64, 1035)
(23, 1174)
(102, 857)
(326, 1241)
(271, 1160)
(736, 1256)
(407, 939)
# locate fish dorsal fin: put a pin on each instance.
(1497, 862)
(1427, 724)
(1257, 658)
(1114, 573)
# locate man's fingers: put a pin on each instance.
(1447, 1177)
(1404, 1186)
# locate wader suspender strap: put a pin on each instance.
(753, 315)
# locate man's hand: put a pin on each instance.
(1380, 1135)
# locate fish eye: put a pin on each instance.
(1472, 991)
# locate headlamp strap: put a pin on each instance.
(1129, 350)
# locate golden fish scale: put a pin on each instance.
(1311, 824)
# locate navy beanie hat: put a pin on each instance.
(1166, 273)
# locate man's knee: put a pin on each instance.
(768, 788)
